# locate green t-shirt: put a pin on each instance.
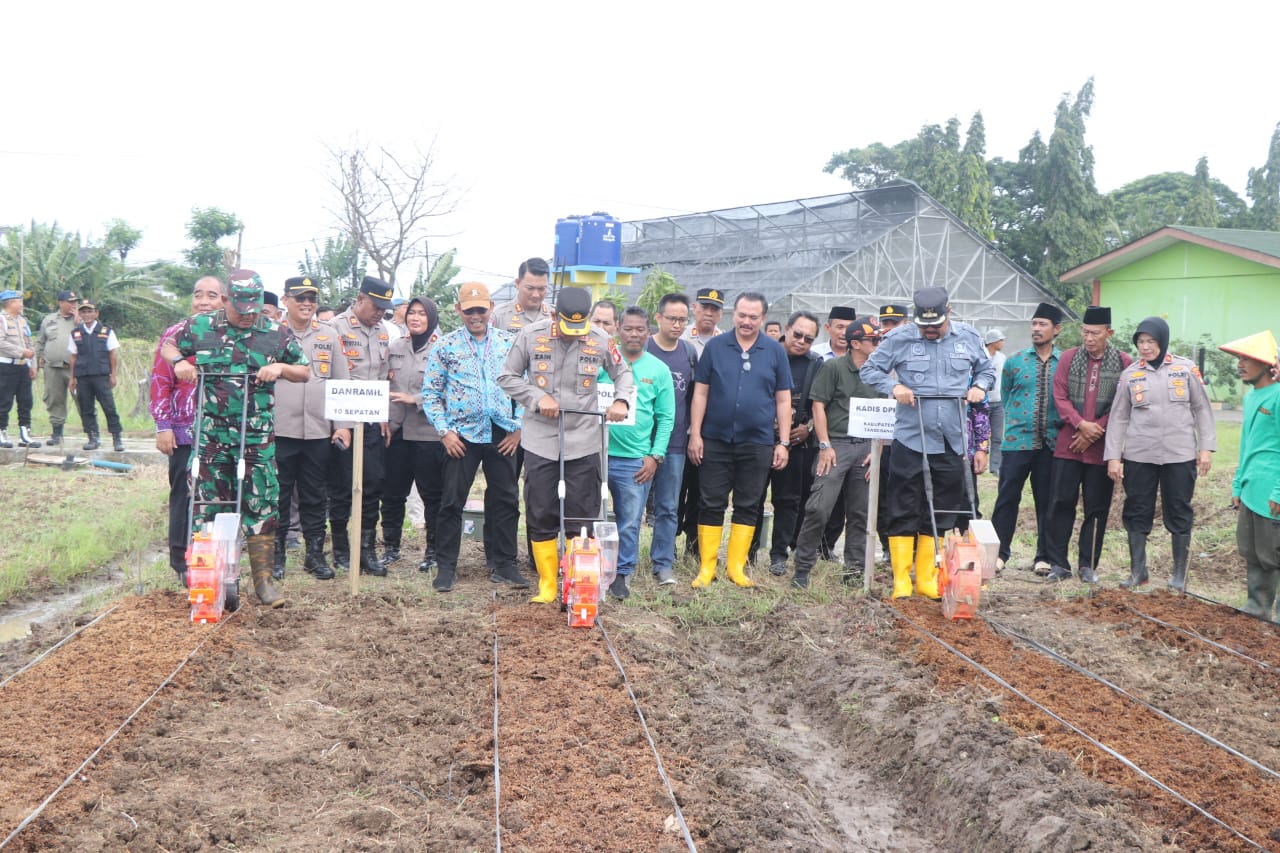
(1257, 480)
(655, 411)
(835, 384)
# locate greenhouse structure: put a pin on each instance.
(865, 249)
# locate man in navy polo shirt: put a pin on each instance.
(742, 387)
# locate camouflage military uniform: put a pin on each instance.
(222, 348)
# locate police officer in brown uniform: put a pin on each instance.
(415, 457)
(530, 305)
(303, 434)
(52, 357)
(366, 345)
(17, 368)
(553, 365)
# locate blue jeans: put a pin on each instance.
(666, 505)
(628, 505)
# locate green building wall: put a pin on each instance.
(1198, 291)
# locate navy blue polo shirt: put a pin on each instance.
(740, 401)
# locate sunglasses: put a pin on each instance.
(875, 342)
(746, 361)
(305, 297)
(808, 339)
(474, 312)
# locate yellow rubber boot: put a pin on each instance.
(735, 563)
(926, 568)
(708, 552)
(546, 561)
(900, 550)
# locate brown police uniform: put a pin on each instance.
(513, 318)
(544, 361)
(300, 405)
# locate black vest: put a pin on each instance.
(91, 351)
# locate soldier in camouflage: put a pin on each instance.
(239, 339)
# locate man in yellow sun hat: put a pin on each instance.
(1255, 491)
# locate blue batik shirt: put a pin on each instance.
(460, 390)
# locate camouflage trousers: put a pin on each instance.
(260, 498)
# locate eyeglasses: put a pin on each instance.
(304, 297)
(875, 342)
(746, 361)
(808, 339)
(676, 321)
(474, 312)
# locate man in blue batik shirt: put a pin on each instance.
(933, 357)
(477, 426)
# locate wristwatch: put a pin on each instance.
(174, 361)
(785, 443)
(824, 445)
(656, 458)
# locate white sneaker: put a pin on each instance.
(1042, 567)
(999, 565)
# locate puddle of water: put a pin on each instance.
(16, 624)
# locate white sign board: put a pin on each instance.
(365, 400)
(605, 399)
(872, 418)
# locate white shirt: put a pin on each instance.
(112, 343)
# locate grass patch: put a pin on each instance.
(70, 523)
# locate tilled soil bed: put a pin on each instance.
(783, 721)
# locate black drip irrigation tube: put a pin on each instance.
(1208, 600)
(497, 765)
(1127, 762)
(145, 702)
(1196, 635)
(58, 644)
(684, 827)
(1120, 691)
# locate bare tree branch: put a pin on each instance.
(389, 205)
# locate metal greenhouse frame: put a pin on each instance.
(863, 249)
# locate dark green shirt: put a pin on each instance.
(836, 383)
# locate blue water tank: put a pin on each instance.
(600, 243)
(567, 229)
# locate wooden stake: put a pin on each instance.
(357, 504)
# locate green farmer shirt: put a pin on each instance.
(837, 382)
(1257, 480)
(655, 411)
(219, 347)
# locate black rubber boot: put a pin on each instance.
(315, 562)
(800, 580)
(1181, 555)
(92, 443)
(56, 438)
(1137, 561)
(444, 580)
(341, 548)
(277, 564)
(369, 562)
(117, 442)
(429, 559)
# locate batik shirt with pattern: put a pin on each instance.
(460, 390)
(1031, 420)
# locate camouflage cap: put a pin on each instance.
(246, 292)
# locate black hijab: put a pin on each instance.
(433, 316)
(1158, 329)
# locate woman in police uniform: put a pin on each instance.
(1160, 435)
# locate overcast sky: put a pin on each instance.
(144, 110)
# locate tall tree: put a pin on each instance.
(1017, 213)
(390, 204)
(973, 194)
(1074, 213)
(121, 238)
(1264, 189)
(206, 227)
(337, 269)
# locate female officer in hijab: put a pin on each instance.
(415, 454)
(1160, 435)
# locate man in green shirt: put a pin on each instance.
(1255, 491)
(636, 450)
(842, 459)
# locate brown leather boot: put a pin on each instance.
(262, 551)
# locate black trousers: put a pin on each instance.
(728, 467)
(15, 384)
(179, 505)
(907, 507)
(1015, 467)
(97, 389)
(541, 504)
(1071, 481)
(501, 503)
(412, 463)
(690, 502)
(790, 488)
(1176, 481)
(340, 462)
(302, 464)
